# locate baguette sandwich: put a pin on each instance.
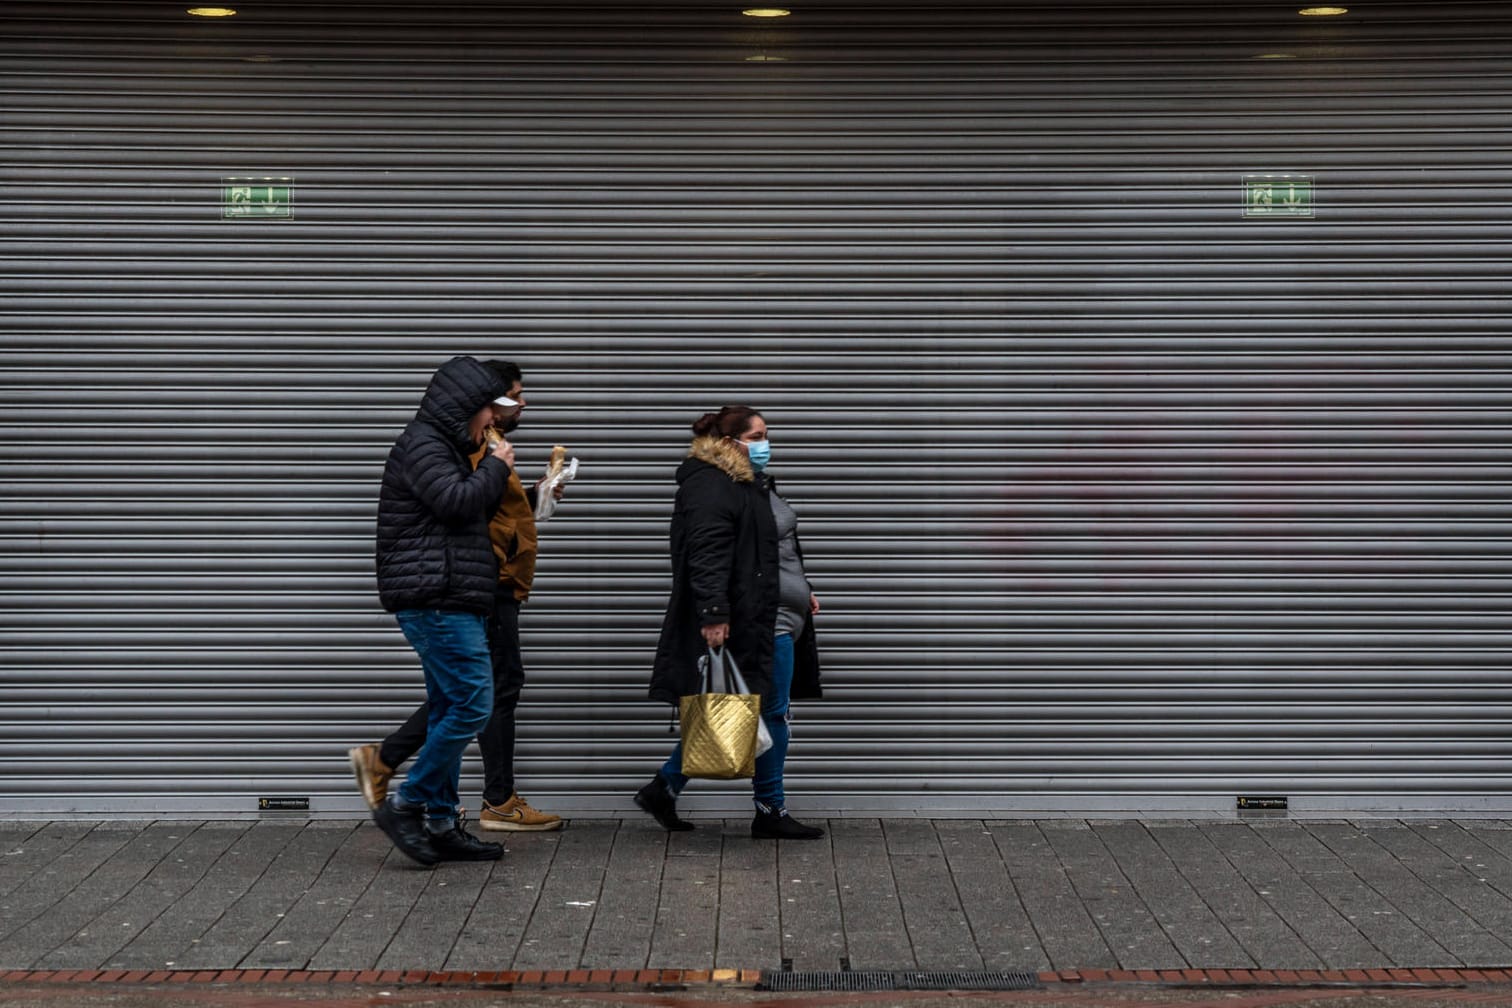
(558, 460)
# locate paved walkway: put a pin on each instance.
(891, 894)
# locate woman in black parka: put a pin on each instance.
(737, 582)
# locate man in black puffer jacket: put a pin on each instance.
(436, 573)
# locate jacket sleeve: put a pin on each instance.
(454, 498)
(710, 532)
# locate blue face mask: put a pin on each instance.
(760, 453)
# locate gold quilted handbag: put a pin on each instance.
(719, 729)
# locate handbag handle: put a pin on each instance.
(730, 678)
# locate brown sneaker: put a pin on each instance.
(372, 776)
(516, 815)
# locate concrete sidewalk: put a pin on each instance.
(890, 894)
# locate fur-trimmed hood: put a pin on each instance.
(722, 455)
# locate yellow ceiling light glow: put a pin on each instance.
(766, 12)
(211, 11)
(1323, 11)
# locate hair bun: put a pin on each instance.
(706, 425)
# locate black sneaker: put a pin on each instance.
(781, 826)
(657, 799)
(456, 844)
(407, 831)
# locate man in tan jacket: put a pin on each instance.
(512, 531)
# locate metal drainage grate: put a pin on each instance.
(915, 980)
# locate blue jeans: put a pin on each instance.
(453, 650)
(766, 786)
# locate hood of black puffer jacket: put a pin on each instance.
(719, 453)
(458, 389)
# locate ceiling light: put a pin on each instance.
(1323, 11)
(211, 11)
(766, 12)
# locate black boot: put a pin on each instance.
(407, 831)
(456, 844)
(778, 825)
(658, 799)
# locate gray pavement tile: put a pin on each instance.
(289, 862)
(1129, 927)
(894, 894)
(44, 936)
(379, 913)
(26, 852)
(314, 913)
(813, 933)
(1497, 867)
(1195, 931)
(687, 908)
(750, 914)
(1483, 907)
(60, 880)
(1068, 934)
(1267, 939)
(623, 924)
(1334, 857)
(1482, 854)
(165, 938)
(495, 926)
(870, 908)
(1004, 934)
(438, 915)
(1332, 939)
(938, 928)
(570, 894)
(102, 940)
(1413, 900)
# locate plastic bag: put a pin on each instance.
(556, 475)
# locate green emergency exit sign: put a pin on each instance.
(257, 198)
(1278, 195)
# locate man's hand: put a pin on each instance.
(716, 634)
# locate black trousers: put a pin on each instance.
(497, 739)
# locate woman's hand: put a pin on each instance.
(715, 634)
(813, 604)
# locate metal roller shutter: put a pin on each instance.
(1115, 497)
